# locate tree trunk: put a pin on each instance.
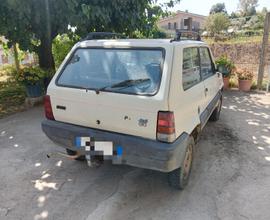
(45, 55)
(16, 58)
(263, 51)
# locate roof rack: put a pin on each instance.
(103, 35)
(186, 35)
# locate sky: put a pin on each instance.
(203, 6)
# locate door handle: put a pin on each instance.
(206, 89)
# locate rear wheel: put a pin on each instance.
(216, 113)
(72, 153)
(179, 177)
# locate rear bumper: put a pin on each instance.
(138, 152)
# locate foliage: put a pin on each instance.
(234, 15)
(256, 22)
(35, 23)
(62, 44)
(218, 8)
(7, 70)
(217, 23)
(12, 97)
(32, 26)
(233, 82)
(244, 74)
(248, 7)
(31, 75)
(224, 62)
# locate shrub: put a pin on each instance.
(222, 62)
(8, 70)
(62, 44)
(31, 75)
(244, 74)
(217, 23)
(12, 97)
(233, 82)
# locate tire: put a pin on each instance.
(179, 178)
(216, 113)
(72, 153)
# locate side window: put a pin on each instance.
(191, 67)
(207, 69)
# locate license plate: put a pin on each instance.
(104, 148)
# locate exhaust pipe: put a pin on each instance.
(90, 161)
(60, 154)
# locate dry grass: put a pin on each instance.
(236, 40)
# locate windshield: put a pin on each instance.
(100, 68)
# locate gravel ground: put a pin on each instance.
(230, 176)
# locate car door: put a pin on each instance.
(211, 81)
(191, 100)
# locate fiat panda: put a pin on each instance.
(139, 102)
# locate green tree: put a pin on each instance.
(217, 23)
(264, 11)
(218, 8)
(248, 7)
(34, 24)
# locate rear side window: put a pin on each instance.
(191, 67)
(207, 69)
(131, 71)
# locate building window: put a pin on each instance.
(186, 22)
(169, 25)
(175, 25)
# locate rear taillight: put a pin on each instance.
(48, 108)
(165, 127)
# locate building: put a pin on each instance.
(182, 20)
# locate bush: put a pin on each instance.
(244, 74)
(264, 85)
(233, 82)
(225, 65)
(217, 23)
(31, 75)
(7, 70)
(62, 44)
(12, 97)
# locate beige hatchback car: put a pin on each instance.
(143, 102)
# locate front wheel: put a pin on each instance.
(179, 177)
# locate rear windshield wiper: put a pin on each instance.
(124, 84)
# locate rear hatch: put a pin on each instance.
(118, 89)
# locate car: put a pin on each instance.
(138, 102)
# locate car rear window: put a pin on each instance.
(104, 68)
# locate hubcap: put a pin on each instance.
(187, 162)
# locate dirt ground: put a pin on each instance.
(230, 176)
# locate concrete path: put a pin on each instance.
(230, 177)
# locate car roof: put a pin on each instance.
(138, 42)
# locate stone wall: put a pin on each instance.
(243, 55)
